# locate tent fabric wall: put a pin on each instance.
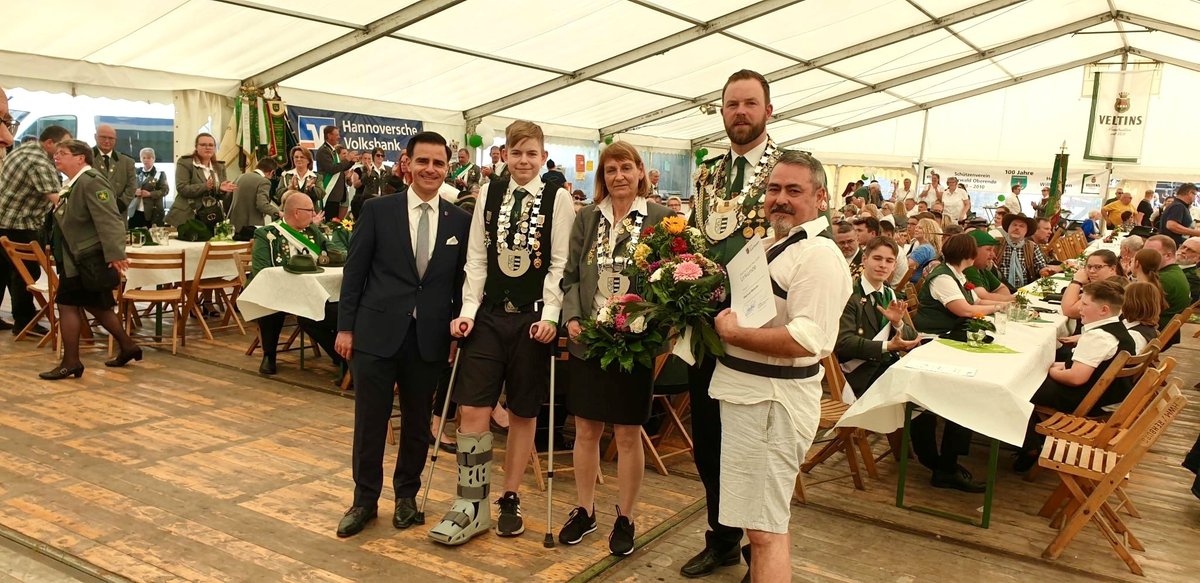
(196, 109)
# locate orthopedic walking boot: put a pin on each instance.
(470, 514)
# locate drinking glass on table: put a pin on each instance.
(1001, 319)
(138, 239)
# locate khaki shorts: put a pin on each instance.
(761, 453)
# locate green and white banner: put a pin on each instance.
(1120, 103)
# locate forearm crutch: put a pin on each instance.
(438, 438)
(549, 540)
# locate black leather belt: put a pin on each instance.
(772, 371)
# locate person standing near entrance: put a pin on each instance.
(728, 208)
(115, 167)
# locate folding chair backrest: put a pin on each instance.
(220, 252)
(171, 260)
(1106, 379)
(835, 376)
(244, 266)
(1168, 332)
(1140, 396)
(1151, 424)
(45, 259)
(18, 254)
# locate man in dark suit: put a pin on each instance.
(252, 199)
(402, 285)
(861, 347)
(332, 169)
(116, 167)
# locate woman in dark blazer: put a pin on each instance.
(89, 236)
(198, 176)
(604, 238)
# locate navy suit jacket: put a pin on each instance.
(380, 286)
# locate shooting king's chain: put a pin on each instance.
(719, 216)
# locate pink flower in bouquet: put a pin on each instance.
(620, 320)
(627, 298)
(688, 271)
(686, 257)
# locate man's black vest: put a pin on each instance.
(527, 289)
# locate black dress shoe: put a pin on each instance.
(61, 372)
(446, 446)
(406, 514)
(267, 366)
(1024, 461)
(124, 357)
(6, 325)
(957, 479)
(355, 519)
(707, 561)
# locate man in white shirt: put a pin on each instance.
(1012, 202)
(511, 301)
(769, 381)
(955, 201)
(902, 194)
(933, 191)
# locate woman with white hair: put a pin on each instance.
(146, 210)
(1091, 227)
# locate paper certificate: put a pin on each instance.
(751, 296)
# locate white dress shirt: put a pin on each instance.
(1012, 202)
(1096, 346)
(560, 241)
(955, 203)
(930, 194)
(606, 209)
(414, 219)
(817, 281)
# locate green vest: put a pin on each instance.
(933, 317)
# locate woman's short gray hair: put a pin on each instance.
(145, 151)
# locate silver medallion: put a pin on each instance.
(513, 262)
(612, 283)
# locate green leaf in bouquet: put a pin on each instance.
(607, 359)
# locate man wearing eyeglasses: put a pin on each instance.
(29, 185)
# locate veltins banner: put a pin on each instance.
(359, 132)
(1120, 102)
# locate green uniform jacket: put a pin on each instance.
(155, 182)
(313, 190)
(1193, 279)
(1179, 293)
(984, 278)
(723, 251)
(89, 217)
(191, 188)
(121, 176)
(856, 332)
(271, 248)
(471, 177)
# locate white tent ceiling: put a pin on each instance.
(647, 68)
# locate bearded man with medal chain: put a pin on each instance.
(729, 210)
(512, 298)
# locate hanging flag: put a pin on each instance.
(1058, 183)
(1117, 126)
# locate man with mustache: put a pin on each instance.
(728, 208)
(768, 383)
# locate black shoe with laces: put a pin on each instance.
(958, 479)
(509, 522)
(579, 524)
(620, 541)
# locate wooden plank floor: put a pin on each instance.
(194, 468)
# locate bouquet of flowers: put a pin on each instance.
(682, 287)
(980, 323)
(338, 232)
(619, 336)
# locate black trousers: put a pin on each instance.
(956, 441)
(374, 379)
(706, 438)
(22, 300)
(323, 332)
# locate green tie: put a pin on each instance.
(518, 196)
(735, 185)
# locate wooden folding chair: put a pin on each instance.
(1173, 325)
(1123, 366)
(1092, 474)
(1099, 432)
(174, 296)
(845, 439)
(225, 290)
(18, 254)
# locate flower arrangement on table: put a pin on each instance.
(618, 336)
(977, 328)
(223, 231)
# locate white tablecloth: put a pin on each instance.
(993, 402)
(150, 278)
(275, 290)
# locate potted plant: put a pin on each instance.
(977, 328)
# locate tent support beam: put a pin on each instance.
(292, 13)
(928, 72)
(348, 42)
(957, 97)
(827, 59)
(662, 45)
(959, 37)
(1160, 25)
(1189, 65)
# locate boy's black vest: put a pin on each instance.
(1119, 389)
(527, 289)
